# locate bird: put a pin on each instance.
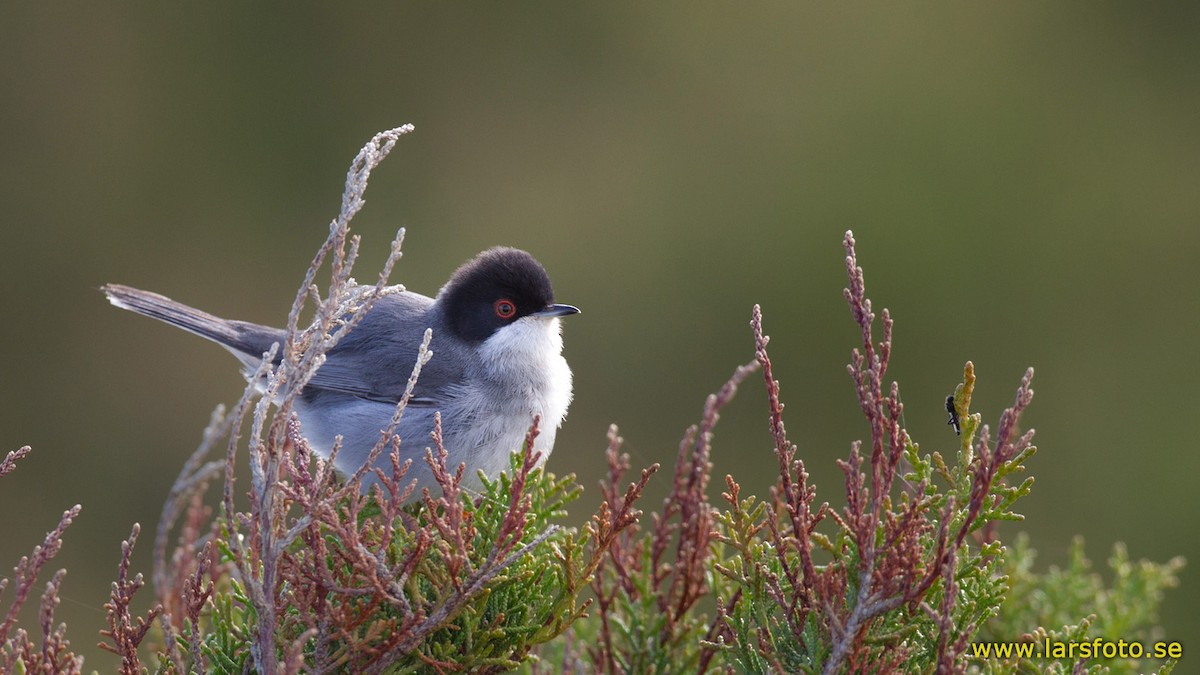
(497, 363)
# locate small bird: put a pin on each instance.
(497, 362)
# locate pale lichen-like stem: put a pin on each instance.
(259, 575)
(354, 482)
(300, 356)
(192, 479)
(239, 416)
(191, 482)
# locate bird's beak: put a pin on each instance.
(556, 310)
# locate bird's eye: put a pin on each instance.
(505, 309)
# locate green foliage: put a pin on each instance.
(763, 635)
(531, 599)
(907, 575)
(997, 597)
(649, 641)
(524, 605)
(226, 642)
(1074, 605)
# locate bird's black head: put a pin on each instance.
(494, 289)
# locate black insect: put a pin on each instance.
(953, 421)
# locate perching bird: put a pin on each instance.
(497, 363)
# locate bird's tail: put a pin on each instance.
(246, 340)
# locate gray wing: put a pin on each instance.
(375, 360)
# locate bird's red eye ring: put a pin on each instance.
(505, 309)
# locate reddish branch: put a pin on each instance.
(674, 569)
(124, 632)
(53, 655)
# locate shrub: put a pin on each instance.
(310, 573)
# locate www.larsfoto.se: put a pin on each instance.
(1094, 649)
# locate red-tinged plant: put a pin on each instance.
(319, 573)
(902, 578)
(899, 550)
(300, 570)
(52, 652)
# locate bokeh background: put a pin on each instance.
(1021, 178)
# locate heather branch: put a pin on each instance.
(884, 575)
(232, 518)
(612, 531)
(10, 460)
(791, 494)
(689, 502)
(990, 462)
(195, 595)
(513, 525)
(192, 481)
(665, 573)
(334, 577)
(616, 510)
(876, 605)
(125, 633)
(15, 646)
(55, 656)
(26, 572)
(449, 517)
(281, 380)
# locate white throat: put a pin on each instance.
(523, 361)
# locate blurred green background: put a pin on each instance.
(1021, 178)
